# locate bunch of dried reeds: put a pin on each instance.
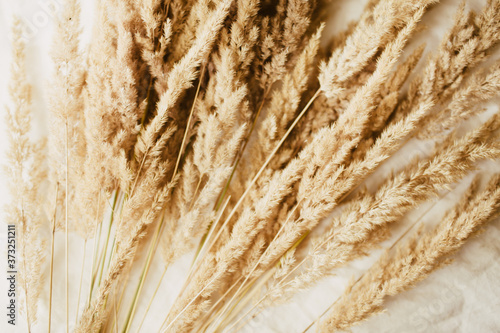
(207, 127)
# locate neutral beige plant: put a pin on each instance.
(230, 131)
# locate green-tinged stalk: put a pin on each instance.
(152, 298)
(81, 279)
(105, 249)
(97, 239)
(145, 270)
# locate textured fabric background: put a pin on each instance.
(461, 297)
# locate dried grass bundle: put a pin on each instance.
(228, 129)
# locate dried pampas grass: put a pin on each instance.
(241, 135)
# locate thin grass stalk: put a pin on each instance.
(52, 241)
(152, 298)
(67, 226)
(25, 286)
(97, 239)
(115, 321)
(133, 307)
(105, 249)
(142, 279)
(184, 138)
(220, 311)
(226, 316)
(122, 294)
(187, 306)
(93, 318)
(284, 278)
(114, 245)
(214, 307)
(265, 278)
(102, 257)
(258, 261)
(51, 274)
(113, 252)
(329, 307)
(113, 249)
(139, 171)
(95, 277)
(188, 125)
(81, 279)
(195, 194)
